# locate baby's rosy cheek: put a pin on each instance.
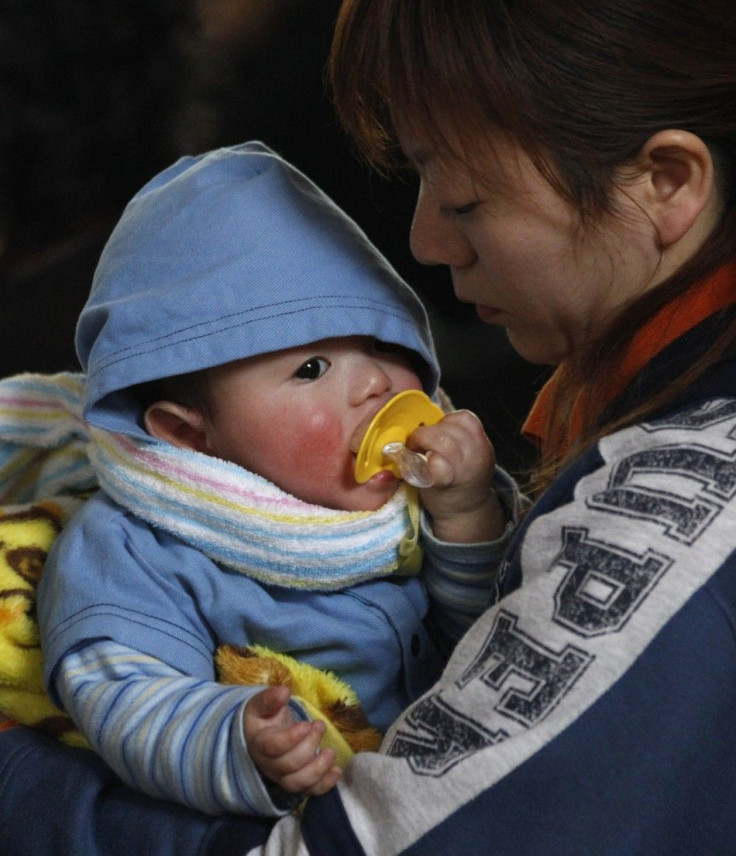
(321, 441)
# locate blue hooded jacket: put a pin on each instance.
(228, 255)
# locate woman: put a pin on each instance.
(576, 173)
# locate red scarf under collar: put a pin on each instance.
(669, 323)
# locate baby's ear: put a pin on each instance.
(181, 426)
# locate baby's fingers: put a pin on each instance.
(268, 703)
(270, 745)
(316, 777)
(324, 782)
(457, 448)
(304, 767)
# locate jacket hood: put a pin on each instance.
(228, 255)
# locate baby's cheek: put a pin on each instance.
(309, 456)
(320, 443)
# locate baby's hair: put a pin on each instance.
(189, 390)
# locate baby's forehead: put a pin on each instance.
(331, 346)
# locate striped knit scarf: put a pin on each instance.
(235, 517)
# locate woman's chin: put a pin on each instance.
(534, 348)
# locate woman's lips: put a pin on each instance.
(487, 314)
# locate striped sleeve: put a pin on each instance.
(461, 578)
(166, 734)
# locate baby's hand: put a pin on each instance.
(463, 506)
(287, 752)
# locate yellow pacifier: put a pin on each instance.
(384, 444)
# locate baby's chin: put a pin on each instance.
(373, 494)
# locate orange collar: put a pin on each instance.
(669, 323)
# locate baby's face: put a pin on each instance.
(296, 416)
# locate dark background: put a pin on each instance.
(96, 96)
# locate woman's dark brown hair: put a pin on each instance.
(580, 85)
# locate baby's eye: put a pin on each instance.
(312, 369)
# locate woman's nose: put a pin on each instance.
(434, 237)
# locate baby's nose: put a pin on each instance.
(374, 380)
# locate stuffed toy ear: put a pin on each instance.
(26, 535)
(322, 694)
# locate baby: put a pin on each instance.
(240, 335)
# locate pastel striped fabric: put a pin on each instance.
(44, 438)
(164, 733)
(233, 516)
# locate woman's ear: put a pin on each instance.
(678, 183)
(181, 426)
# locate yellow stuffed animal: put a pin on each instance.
(26, 534)
(323, 695)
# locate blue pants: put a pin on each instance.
(59, 801)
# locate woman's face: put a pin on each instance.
(518, 252)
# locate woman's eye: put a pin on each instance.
(465, 209)
(459, 210)
(312, 369)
